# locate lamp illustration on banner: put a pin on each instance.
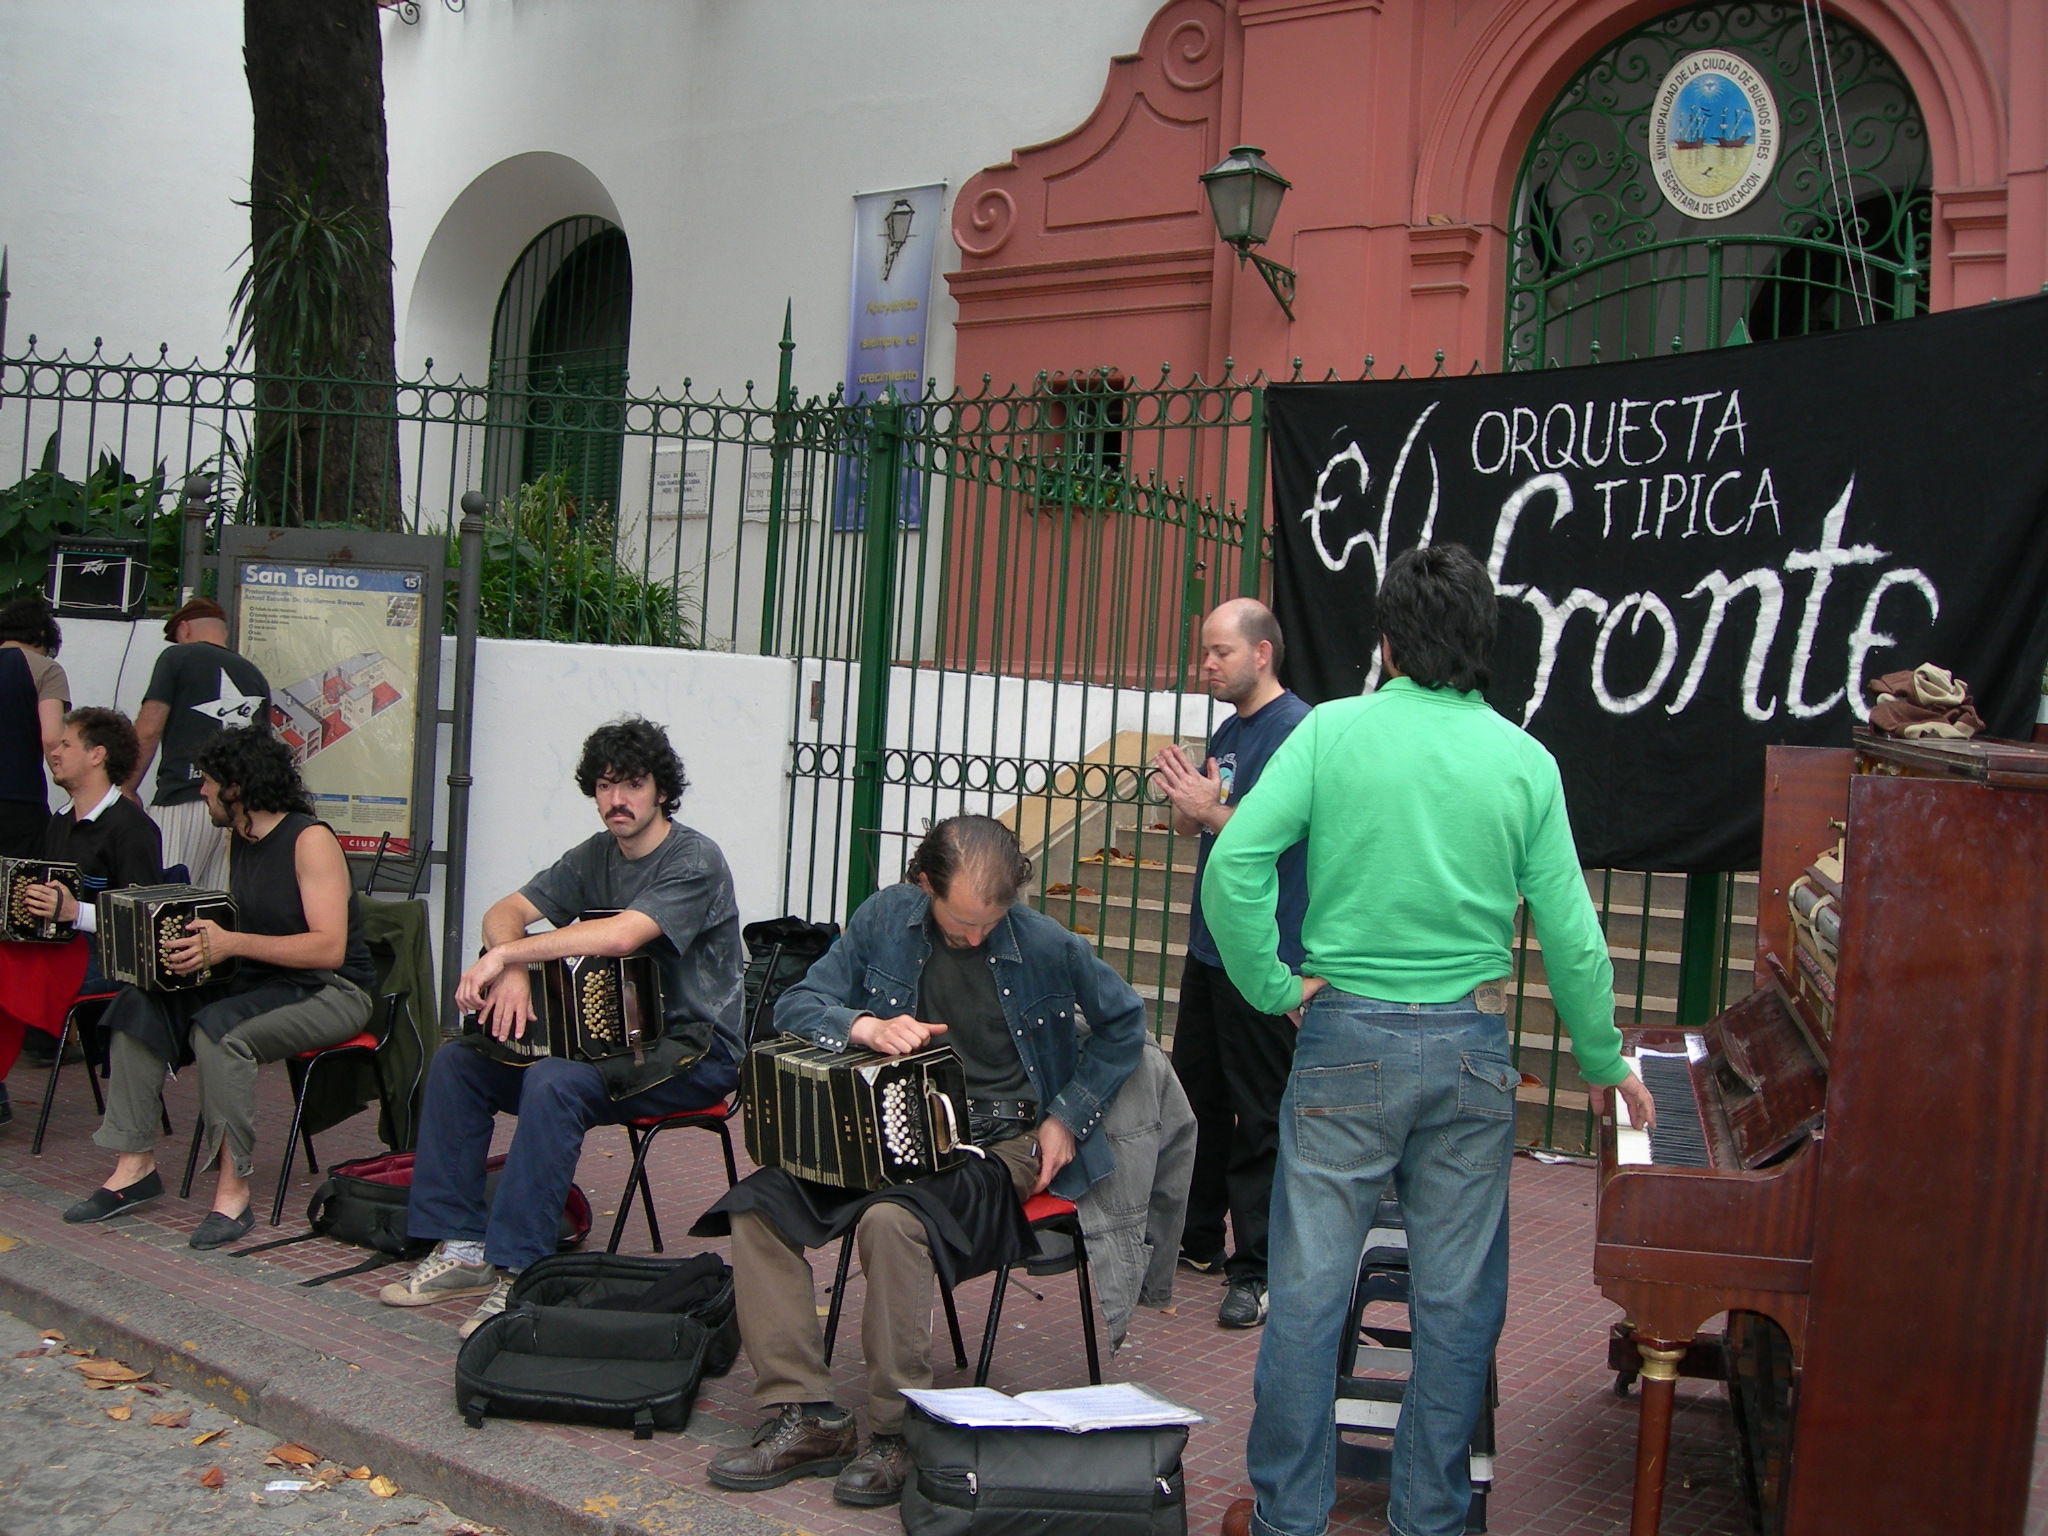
(896, 230)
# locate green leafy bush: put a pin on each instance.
(551, 572)
(47, 505)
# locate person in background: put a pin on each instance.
(198, 688)
(34, 693)
(1231, 1058)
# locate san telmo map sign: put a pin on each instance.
(1713, 135)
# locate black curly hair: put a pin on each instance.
(255, 772)
(31, 621)
(111, 730)
(979, 848)
(1438, 616)
(627, 749)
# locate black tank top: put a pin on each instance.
(21, 731)
(263, 877)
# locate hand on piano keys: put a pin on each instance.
(1632, 1136)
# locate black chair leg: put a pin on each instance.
(192, 1157)
(1087, 1290)
(35, 1147)
(284, 1169)
(953, 1327)
(636, 1189)
(732, 1169)
(838, 1294)
(995, 1319)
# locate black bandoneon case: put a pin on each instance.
(16, 876)
(1037, 1482)
(854, 1119)
(137, 921)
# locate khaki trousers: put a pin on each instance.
(778, 1312)
(227, 1071)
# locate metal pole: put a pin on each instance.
(883, 468)
(461, 717)
(778, 483)
(195, 498)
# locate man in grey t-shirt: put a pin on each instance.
(664, 889)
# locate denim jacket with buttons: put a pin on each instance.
(1045, 975)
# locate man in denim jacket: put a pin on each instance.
(947, 955)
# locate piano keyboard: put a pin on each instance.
(1678, 1140)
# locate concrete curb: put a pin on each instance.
(505, 1473)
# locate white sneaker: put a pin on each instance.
(439, 1278)
(488, 1308)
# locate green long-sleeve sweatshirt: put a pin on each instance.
(1425, 813)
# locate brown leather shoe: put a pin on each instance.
(791, 1445)
(1237, 1520)
(877, 1477)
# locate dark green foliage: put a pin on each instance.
(109, 502)
(551, 572)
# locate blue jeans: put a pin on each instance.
(1422, 1093)
(556, 1102)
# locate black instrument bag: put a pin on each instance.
(602, 1338)
(1038, 1482)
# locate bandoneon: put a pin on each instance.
(137, 921)
(855, 1119)
(16, 876)
(586, 1008)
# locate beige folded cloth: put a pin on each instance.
(1927, 701)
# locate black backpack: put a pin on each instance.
(363, 1202)
(602, 1338)
(779, 951)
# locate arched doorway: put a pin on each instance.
(558, 362)
(1603, 265)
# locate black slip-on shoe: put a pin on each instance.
(104, 1202)
(219, 1229)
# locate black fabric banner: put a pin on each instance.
(1696, 555)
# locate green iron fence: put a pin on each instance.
(991, 599)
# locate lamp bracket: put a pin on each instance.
(1279, 279)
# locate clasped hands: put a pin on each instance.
(499, 993)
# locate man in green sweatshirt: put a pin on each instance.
(1428, 816)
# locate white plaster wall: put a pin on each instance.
(728, 137)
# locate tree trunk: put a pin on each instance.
(324, 451)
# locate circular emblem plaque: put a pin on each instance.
(1713, 134)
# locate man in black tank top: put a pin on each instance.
(301, 981)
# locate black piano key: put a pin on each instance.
(1677, 1138)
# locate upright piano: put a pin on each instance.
(1870, 1191)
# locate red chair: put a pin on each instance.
(300, 1069)
(641, 1133)
(1047, 1214)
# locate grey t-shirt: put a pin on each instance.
(685, 886)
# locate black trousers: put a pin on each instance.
(1233, 1062)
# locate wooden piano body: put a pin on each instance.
(1903, 1247)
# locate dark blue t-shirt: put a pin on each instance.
(1241, 748)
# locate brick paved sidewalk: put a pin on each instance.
(357, 1380)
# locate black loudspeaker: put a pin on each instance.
(99, 578)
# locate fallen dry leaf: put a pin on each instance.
(73, 1349)
(176, 1420)
(211, 1434)
(361, 1474)
(150, 1387)
(28, 1354)
(327, 1477)
(1083, 928)
(383, 1487)
(108, 1370)
(121, 1411)
(103, 1386)
(291, 1455)
(51, 1333)
(212, 1477)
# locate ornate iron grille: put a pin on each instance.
(1601, 266)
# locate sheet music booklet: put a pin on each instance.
(1117, 1405)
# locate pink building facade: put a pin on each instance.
(1407, 128)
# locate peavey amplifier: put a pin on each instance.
(586, 1008)
(16, 876)
(137, 921)
(855, 1119)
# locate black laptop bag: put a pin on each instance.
(602, 1338)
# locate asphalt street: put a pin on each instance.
(131, 1458)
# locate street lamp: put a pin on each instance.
(896, 230)
(1244, 196)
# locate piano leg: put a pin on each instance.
(1653, 1436)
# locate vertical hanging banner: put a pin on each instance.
(1696, 556)
(895, 236)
